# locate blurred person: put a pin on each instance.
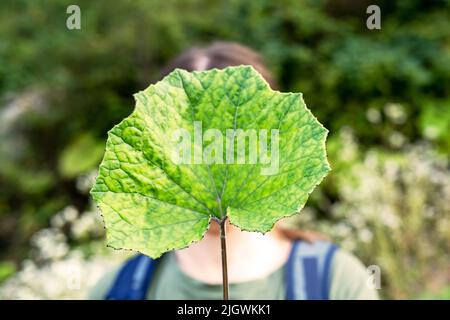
(281, 264)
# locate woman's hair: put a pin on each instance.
(220, 55)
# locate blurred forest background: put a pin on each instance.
(383, 94)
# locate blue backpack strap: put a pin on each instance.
(308, 270)
(133, 280)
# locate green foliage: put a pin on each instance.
(444, 294)
(7, 269)
(151, 204)
(392, 212)
(434, 123)
(80, 156)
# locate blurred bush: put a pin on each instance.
(61, 90)
(393, 212)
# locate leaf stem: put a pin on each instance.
(223, 245)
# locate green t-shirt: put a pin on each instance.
(348, 281)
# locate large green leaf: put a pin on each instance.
(152, 205)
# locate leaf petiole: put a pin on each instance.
(223, 245)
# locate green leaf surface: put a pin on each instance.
(151, 204)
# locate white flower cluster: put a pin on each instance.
(67, 278)
(392, 209)
(85, 181)
(49, 244)
(57, 271)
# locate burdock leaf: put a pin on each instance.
(155, 197)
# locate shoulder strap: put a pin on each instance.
(133, 279)
(308, 270)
